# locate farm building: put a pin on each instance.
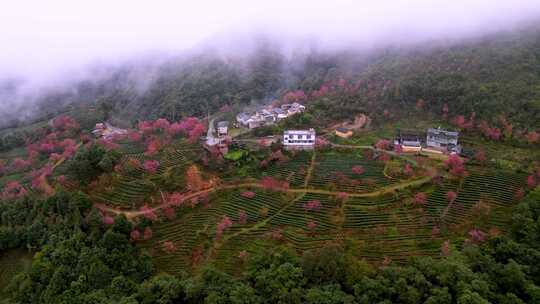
(409, 141)
(443, 140)
(343, 132)
(279, 113)
(223, 128)
(106, 131)
(299, 139)
(251, 122)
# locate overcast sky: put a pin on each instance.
(42, 37)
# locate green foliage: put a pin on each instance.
(90, 162)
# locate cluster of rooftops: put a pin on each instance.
(435, 140)
(268, 115)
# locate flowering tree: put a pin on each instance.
(520, 194)
(148, 233)
(176, 199)
(135, 136)
(196, 133)
(451, 196)
(445, 248)
(168, 212)
(455, 165)
(531, 181)
(108, 220)
(311, 226)
(153, 146)
(248, 194)
(435, 231)
(321, 143)
(445, 111)
(146, 127)
(312, 205)
(357, 170)
(223, 225)
(242, 217)
(135, 235)
(408, 170)
(459, 121)
(420, 198)
(13, 190)
(476, 236)
(151, 166)
(64, 123)
(342, 196)
(420, 104)
(242, 255)
(169, 247)
(20, 164)
(382, 144)
(272, 184)
(533, 137)
(148, 213)
(480, 156)
(161, 124)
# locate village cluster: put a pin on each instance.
(268, 115)
(435, 140)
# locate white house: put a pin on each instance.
(443, 139)
(223, 128)
(299, 139)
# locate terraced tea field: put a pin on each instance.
(134, 186)
(381, 223)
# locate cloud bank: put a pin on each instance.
(42, 39)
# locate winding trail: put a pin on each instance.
(131, 214)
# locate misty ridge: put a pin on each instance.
(234, 68)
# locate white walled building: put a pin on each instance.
(443, 139)
(223, 128)
(299, 139)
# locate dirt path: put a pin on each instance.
(130, 214)
(310, 169)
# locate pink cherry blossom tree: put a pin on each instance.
(312, 205)
(135, 235)
(451, 196)
(151, 166)
(420, 199)
(531, 181)
(359, 170)
(148, 233)
(148, 213)
(169, 247)
(533, 137)
(223, 225)
(242, 217)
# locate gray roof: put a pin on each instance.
(242, 116)
(223, 124)
(444, 132)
